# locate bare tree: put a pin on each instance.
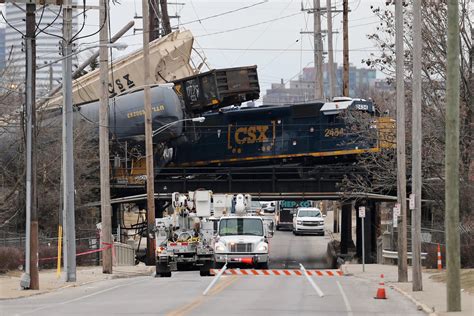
(381, 166)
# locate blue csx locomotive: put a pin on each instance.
(259, 135)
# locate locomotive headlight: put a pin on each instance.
(220, 247)
(262, 247)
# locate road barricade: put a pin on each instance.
(280, 272)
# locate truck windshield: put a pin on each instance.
(309, 213)
(241, 226)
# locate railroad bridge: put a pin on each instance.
(276, 182)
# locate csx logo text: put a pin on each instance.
(251, 134)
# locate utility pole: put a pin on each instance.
(331, 71)
(345, 48)
(165, 17)
(154, 20)
(105, 207)
(401, 155)
(417, 284)
(150, 176)
(453, 255)
(30, 279)
(318, 52)
(69, 232)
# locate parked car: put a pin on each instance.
(308, 220)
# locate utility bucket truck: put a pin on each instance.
(184, 238)
(242, 238)
(207, 230)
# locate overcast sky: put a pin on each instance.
(276, 47)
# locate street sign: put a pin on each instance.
(396, 209)
(361, 211)
(412, 201)
(395, 217)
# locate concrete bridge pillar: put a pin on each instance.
(346, 227)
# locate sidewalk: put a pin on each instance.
(433, 297)
(10, 283)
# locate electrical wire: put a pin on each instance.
(10, 25)
(251, 25)
(83, 20)
(224, 13)
(51, 24)
(261, 34)
(40, 19)
(95, 33)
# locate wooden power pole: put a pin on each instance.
(453, 255)
(154, 20)
(417, 284)
(345, 48)
(330, 67)
(105, 207)
(150, 177)
(401, 156)
(318, 52)
(165, 18)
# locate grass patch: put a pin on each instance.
(467, 278)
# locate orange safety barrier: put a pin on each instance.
(280, 272)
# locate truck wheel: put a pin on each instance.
(162, 270)
(262, 265)
(206, 267)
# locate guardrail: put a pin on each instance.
(394, 254)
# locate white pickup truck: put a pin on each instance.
(242, 239)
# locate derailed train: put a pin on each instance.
(231, 135)
(306, 133)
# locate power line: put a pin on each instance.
(251, 25)
(222, 14)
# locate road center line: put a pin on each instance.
(344, 297)
(199, 300)
(79, 298)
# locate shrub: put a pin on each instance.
(10, 258)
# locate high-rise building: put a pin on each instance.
(2, 48)
(47, 45)
(302, 89)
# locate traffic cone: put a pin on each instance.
(440, 263)
(381, 290)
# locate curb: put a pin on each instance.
(419, 305)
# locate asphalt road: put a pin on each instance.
(287, 251)
(232, 295)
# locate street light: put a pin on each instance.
(199, 119)
(118, 46)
